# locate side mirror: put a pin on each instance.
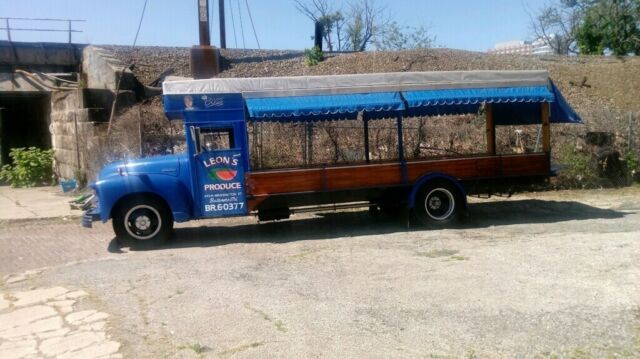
(195, 138)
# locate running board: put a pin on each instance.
(332, 207)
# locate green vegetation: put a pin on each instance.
(579, 170)
(590, 27)
(31, 167)
(631, 161)
(609, 24)
(313, 57)
(196, 347)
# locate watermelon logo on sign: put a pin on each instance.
(222, 174)
(221, 168)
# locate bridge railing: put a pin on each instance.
(69, 28)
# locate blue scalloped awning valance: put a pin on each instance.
(461, 101)
(325, 107)
(511, 105)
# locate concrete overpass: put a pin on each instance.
(58, 96)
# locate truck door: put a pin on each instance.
(219, 169)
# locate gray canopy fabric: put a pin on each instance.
(515, 95)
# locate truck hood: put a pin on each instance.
(165, 165)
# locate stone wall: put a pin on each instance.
(73, 136)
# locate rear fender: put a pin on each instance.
(435, 176)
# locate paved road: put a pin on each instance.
(542, 275)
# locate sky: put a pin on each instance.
(462, 24)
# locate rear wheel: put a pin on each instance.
(142, 222)
(437, 203)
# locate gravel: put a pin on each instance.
(541, 275)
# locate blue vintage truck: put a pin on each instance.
(144, 197)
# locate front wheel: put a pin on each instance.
(437, 203)
(142, 222)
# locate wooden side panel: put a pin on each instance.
(262, 184)
(459, 168)
(525, 165)
(364, 176)
(282, 181)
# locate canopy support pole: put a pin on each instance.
(403, 162)
(366, 138)
(546, 128)
(491, 129)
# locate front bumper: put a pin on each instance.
(90, 215)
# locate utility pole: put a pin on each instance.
(203, 21)
(223, 33)
(204, 58)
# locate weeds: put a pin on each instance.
(313, 56)
(195, 347)
(31, 167)
(579, 169)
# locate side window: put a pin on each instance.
(212, 139)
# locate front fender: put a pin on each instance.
(436, 176)
(169, 188)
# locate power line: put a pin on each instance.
(144, 8)
(233, 24)
(244, 46)
(114, 104)
(252, 26)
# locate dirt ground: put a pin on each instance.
(539, 275)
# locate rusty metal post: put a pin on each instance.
(204, 58)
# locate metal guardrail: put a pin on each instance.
(70, 30)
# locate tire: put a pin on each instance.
(142, 223)
(437, 203)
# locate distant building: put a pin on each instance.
(519, 47)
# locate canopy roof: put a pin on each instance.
(360, 83)
(515, 95)
(376, 105)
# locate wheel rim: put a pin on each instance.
(142, 222)
(439, 204)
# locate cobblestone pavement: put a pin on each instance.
(36, 244)
(46, 322)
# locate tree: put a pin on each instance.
(398, 38)
(330, 19)
(590, 26)
(367, 20)
(557, 24)
(353, 30)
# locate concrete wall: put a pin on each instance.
(101, 70)
(73, 135)
(44, 57)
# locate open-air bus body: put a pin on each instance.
(144, 197)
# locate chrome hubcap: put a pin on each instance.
(439, 204)
(143, 222)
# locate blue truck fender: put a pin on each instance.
(170, 189)
(436, 176)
